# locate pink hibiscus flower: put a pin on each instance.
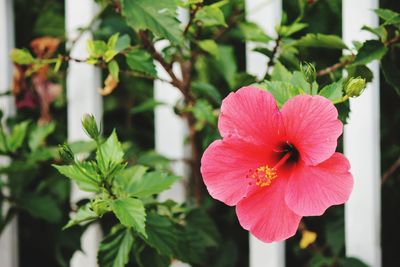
(276, 165)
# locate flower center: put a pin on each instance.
(264, 175)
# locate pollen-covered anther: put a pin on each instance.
(264, 175)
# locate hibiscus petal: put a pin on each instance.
(250, 113)
(313, 189)
(312, 126)
(266, 215)
(224, 167)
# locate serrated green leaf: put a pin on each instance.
(109, 154)
(83, 174)
(288, 30)
(204, 113)
(83, 215)
(370, 51)
(156, 16)
(280, 73)
(113, 68)
(115, 248)
(39, 134)
(333, 92)
(389, 16)
(96, 48)
(320, 40)
(17, 136)
(127, 176)
(131, 213)
(141, 61)
(252, 32)
(211, 16)
(149, 184)
(22, 56)
(282, 91)
(209, 46)
(378, 31)
(162, 235)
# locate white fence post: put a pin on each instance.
(9, 237)
(362, 147)
(170, 129)
(83, 82)
(267, 14)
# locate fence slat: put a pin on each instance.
(362, 147)
(83, 81)
(266, 13)
(9, 237)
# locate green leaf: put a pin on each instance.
(22, 56)
(288, 30)
(280, 73)
(96, 48)
(335, 235)
(390, 17)
(109, 154)
(83, 174)
(113, 68)
(210, 16)
(333, 92)
(200, 222)
(17, 136)
(43, 207)
(320, 40)
(147, 105)
(226, 64)
(126, 177)
(371, 50)
(353, 262)
(203, 89)
(204, 114)
(38, 135)
(282, 91)
(115, 248)
(123, 43)
(209, 46)
(163, 235)
(141, 61)
(130, 212)
(83, 215)
(319, 260)
(156, 16)
(112, 41)
(378, 31)
(152, 183)
(252, 32)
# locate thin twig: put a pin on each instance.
(390, 171)
(335, 67)
(149, 46)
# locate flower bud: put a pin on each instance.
(355, 86)
(90, 126)
(309, 72)
(66, 153)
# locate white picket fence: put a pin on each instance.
(361, 142)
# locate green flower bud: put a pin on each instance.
(355, 86)
(90, 126)
(309, 72)
(66, 153)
